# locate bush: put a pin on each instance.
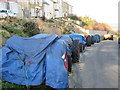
(50, 20)
(31, 28)
(13, 30)
(73, 17)
(21, 21)
(7, 85)
(4, 33)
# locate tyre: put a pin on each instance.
(92, 40)
(75, 51)
(81, 47)
(88, 39)
(69, 63)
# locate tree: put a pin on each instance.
(88, 21)
(88, 27)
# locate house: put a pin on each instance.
(37, 8)
(30, 8)
(58, 8)
(48, 9)
(65, 8)
(10, 5)
(3, 4)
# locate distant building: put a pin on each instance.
(10, 5)
(30, 8)
(48, 9)
(3, 4)
(70, 10)
(58, 8)
(66, 9)
(37, 8)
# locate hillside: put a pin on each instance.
(60, 26)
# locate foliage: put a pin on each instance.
(5, 33)
(73, 17)
(13, 30)
(21, 21)
(68, 30)
(87, 20)
(88, 27)
(102, 27)
(50, 20)
(31, 28)
(6, 85)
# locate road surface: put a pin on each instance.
(98, 67)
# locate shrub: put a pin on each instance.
(4, 33)
(73, 17)
(31, 28)
(13, 30)
(49, 20)
(7, 85)
(21, 21)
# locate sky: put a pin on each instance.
(104, 11)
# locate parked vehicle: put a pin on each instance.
(92, 39)
(82, 40)
(108, 37)
(88, 40)
(7, 13)
(41, 60)
(69, 44)
(97, 38)
(83, 46)
(119, 42)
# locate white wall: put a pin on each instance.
(96, 32)
(48, 9)
(13, 7)
(19, 14)
(3, 6)
(59, 7)
(32, 12)
(31, 1)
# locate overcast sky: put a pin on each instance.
(104, 11)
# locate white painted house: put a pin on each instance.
(3, 5)
(48, 9)
(58, 8)
(13, 6)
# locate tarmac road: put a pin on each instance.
(98, 67)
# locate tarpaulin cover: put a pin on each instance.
(34, 60)
(79, 37)
(56, 71)
(68, 41)
(97, 38)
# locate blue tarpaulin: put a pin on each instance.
(78, 37)
(68, 41)
(97, 38)
(35, 60)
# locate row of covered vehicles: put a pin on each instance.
(43, 59)
(79, 44)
